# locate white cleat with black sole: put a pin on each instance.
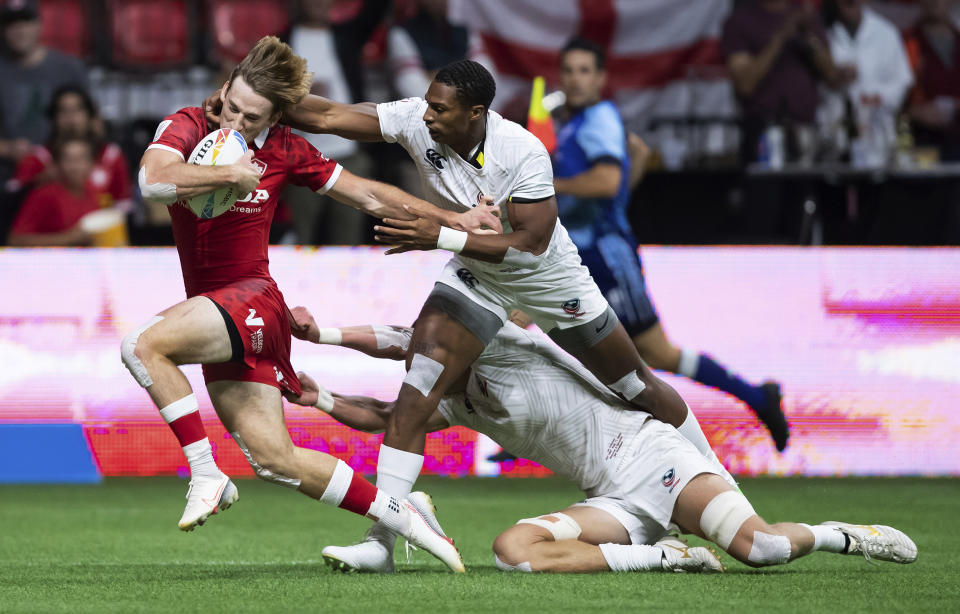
(678, 557)
(877, 542)
(206, 497)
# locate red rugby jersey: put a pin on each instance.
(233, 246)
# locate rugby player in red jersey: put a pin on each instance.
(235, 321)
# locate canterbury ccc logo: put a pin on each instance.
(435, 159)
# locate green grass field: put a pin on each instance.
(115, 548)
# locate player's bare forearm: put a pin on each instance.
(601, 180)
(166, 168)
(319, 115)
(382, 200)
(532, 224)
(361, 413)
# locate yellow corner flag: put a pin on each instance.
(539, 122)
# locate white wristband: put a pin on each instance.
(324, 400)
(451, 240)
(331, 336)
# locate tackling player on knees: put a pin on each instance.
(538, 402)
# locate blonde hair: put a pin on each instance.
(275, 72)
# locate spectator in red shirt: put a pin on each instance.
(72, 112)
(776, 52)
(933, 45)
(51, 213)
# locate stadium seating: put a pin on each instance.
(66, 26)
(138, 42)
(236, 25)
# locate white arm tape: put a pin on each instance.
(524, 260)
(331, 336)
(324, 400)
(451, 240)
(163, 193)
(393, 336)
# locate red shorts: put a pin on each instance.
(260, 315)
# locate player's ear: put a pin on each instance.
(275, 117)
(223, 91)
(477, 111)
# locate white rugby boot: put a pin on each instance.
(678, 557)
(876, 541)
(373, 555)
(206, 497)
(424, 532)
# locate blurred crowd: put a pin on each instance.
(844, 82)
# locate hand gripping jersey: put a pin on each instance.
(233, 246)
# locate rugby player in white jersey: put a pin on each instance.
(471, 157)
(639, 475)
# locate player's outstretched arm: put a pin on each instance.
(386, 201)
(389, 342)
(532, 224)
(361, 413)
(165, 178)
(319, 115)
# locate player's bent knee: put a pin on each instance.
(630, 386)
(131, 354)
(423, 374)
(264, 468)
(510, 552)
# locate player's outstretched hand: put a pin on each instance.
(246, 174)
(312, 394)
(484, 219)
(408, 235)
(303, 326)
(211, 109)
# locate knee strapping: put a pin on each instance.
(128, 353)
(262, 472)
(629, 386)
(723, 516)
(423, 374)
(769, 549)
(525, 566)
(564, 527)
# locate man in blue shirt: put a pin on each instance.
(592, 177)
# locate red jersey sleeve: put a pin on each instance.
(179, 133)
(37, 214)
(114, 160)
(308, 167)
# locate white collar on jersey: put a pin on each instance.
(261, 138)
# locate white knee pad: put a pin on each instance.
(262, 472)
(525, 566)
(392, 336)
(564, 527)
(769, 549)
(129, 355)
(423, 374)
(723, 516)
(629, 386)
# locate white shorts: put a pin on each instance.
(559, 294)
(658, 464)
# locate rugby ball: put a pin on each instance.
(220, 147)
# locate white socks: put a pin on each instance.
(397, 471)
(390, 514)
(634, 557)
(200, 457)
(690, 429)
(827, 539)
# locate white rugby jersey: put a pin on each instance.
(541, 404)
(515, 165)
